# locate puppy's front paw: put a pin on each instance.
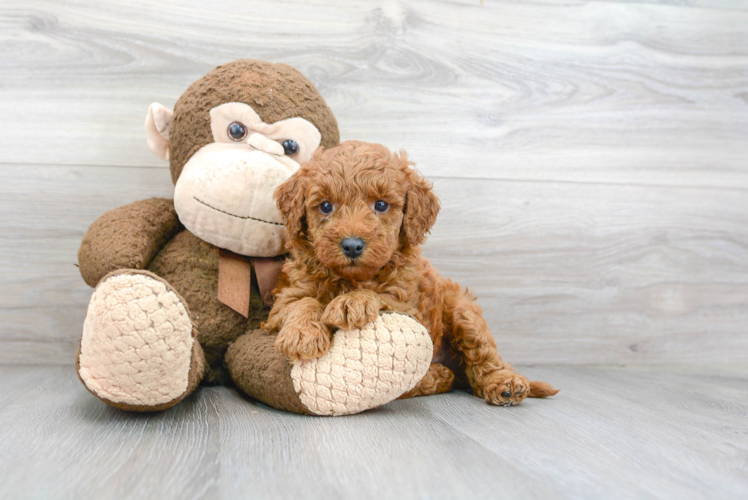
(303, 342)
(352, 310)
(505, 388)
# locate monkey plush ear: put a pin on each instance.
(157, 125)
(421, 206)
(290, 198)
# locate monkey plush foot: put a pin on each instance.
(138, 350)
(364, 368)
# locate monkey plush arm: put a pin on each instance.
(127, 237)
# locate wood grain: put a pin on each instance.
(590, 155)
(591, 161)
(574, 91)
(611, 432)
(566, 273)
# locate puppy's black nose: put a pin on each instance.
(352, 247)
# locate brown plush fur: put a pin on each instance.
(147, 234)
(275, 92)
(190, 265)
(197, 362)
(262, 372)
(127, 237)
(321, 289)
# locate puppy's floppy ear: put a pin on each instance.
(290, 198)
(421, 205)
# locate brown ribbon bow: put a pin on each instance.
(235, 279)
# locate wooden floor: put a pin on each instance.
(590, 155)
(613, 432)
(592, 162)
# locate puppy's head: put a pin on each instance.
(356, 206)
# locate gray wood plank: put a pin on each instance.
(61, 442)
(612, 432)
(697, 4)
(46, 213)
(636, 432)
(574, 91)
(566, 273)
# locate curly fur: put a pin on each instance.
(321, 289)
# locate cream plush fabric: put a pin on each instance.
(365, 368)
(157, 124)
(225, 197)
(137, 342)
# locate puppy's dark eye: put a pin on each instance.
(290, 147)
(237, 132)
(381, 206)
(325, 207)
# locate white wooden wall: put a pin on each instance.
(591, 156)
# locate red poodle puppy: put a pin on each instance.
(356, 216)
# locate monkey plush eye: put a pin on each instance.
(290, 147)
(237, 131)
(325, 207)
(381, 206)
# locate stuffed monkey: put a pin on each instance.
(182, 285)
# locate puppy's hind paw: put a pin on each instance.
(302, 343)
(505, 388)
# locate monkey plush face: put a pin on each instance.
(224, 193)
(236, 135)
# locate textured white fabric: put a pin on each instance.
(137, 342)
(365, 368)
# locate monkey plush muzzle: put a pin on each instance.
(225, 197)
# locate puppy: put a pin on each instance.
(355, 217)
